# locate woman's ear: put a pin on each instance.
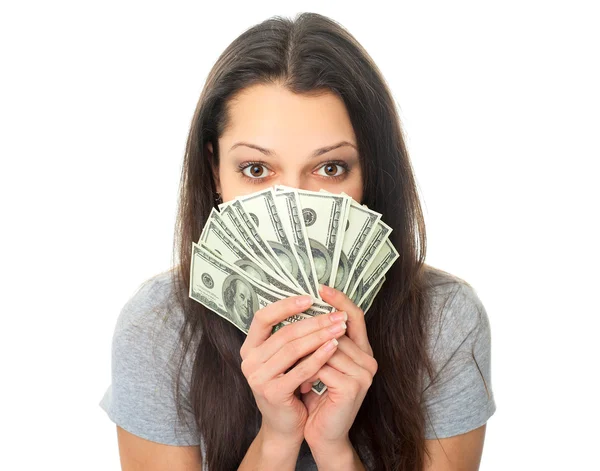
(214, 166)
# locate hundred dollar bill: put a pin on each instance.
(243, 236)
(263, 211)
(293, 222)
(268, 282)
(323, 218)
(217, 218)
(229, 250)
(252, 224)
(367, 299)
(378, 236)
(380, 264)
(319, 306)
(361, 222)
(226, 290)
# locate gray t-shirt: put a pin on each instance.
(141, 400)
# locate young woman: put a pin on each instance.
(300, 103)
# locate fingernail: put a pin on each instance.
(326, 289)
(338, 316)
(337, 328)
(304, 301)
(330, 345)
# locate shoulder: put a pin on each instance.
(454, 307)
(151, 318)
(146, 350)
(458, 397)
(148, 302)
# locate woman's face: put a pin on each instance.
(294, 132)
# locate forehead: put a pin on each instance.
(241, 286)
(274, 116)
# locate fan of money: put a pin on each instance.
(280, 242)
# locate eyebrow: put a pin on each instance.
(316, 153)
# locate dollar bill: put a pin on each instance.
(238, 228)
(367, 300)
(290, 211)
(272, 284)
(323, 217)
(378, 266)
(229, 250)
(252, 224)
(378, 236)
(226, 290)
(361, 222)
(264, 213)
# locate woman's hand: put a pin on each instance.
(266, 359)
(348, 375)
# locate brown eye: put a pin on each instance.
(255, 171)
(331, 170)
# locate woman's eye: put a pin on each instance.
(331, 170)
(255, 171)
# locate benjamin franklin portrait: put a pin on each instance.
(240, 301)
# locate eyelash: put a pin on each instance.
(339, 163)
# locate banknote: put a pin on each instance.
(263, 210)
(375, 270)
(252, 223)
(229, 292)
(367, 300)
(290, 211)
(323, 219)
(217, 240)
(238, 228)
(217, 218)
(318, 307)
(378, 236)
(360, 225)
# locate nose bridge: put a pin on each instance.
(291, 178)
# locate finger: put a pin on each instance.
(361, 358)
(291, 352)
(296, 330)
(300, 373)
(334, 379)
(344, 364)
(305, 387)
(357, 329)
(347, 350)
(265, 318)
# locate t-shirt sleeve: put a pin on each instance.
(460, 397)
(141, 397)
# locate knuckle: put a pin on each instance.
(246, 367)
(289, 332)
(303, 370)
(260, 316)
(323, 320)
(324, 335)
(373, 366)
(272, 392)
(291, 350)
(254, 381)
(366, 379)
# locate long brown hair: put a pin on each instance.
(310, 54)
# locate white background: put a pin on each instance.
(500, 104)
